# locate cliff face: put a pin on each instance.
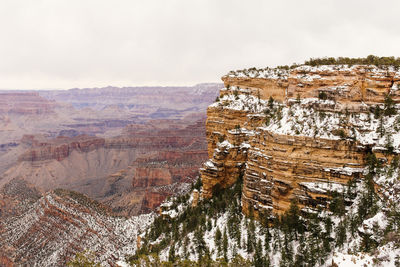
(307, 143)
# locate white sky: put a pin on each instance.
(89, 43)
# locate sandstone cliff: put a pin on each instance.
(298, 134)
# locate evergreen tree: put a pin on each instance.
(225, 245)
(389, 106)
(199, 242)
(209, 224)
(328, 225)
(381, 128)
(293, 219)
(302, 252)
(185, 247)
(218, 237)
(171, 253)
(250, 236)
(267, 238)
(341, 234)
(377, 112)
(258, 260)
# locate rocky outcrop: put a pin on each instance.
(349, 87)
(295, 134)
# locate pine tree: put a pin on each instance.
(298, 100)
(185, 247)
(199, 242)
(250, 236)
(267, 238)
(225, 245)
(380, 129)
(218, 237)
(389, 106)
(302, 252)
(328, 225)
(258, 256)
(171, 253)
(293, 219)
(341, 234)
(287, 252)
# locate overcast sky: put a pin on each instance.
(93, 43)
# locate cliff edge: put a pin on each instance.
(300, 134)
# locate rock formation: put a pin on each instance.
(296, 134)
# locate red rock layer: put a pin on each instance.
(59, 148)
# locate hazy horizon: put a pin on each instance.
(60, 44)
(100, 87)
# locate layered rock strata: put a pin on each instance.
(133, 173)
(296, 134)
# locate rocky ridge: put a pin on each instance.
(62, 223)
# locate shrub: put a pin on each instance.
(389, 106)
(322, 95)
(369, 60)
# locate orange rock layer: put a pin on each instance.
(279, 168)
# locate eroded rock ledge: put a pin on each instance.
(298, 134)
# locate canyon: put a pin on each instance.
(273, 137)
(82, 139)
(78, 164)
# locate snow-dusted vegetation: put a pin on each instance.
(266, 73)
(379, 126)
(361, 225)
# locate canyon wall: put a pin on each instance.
(132, 173)
(298, 134)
